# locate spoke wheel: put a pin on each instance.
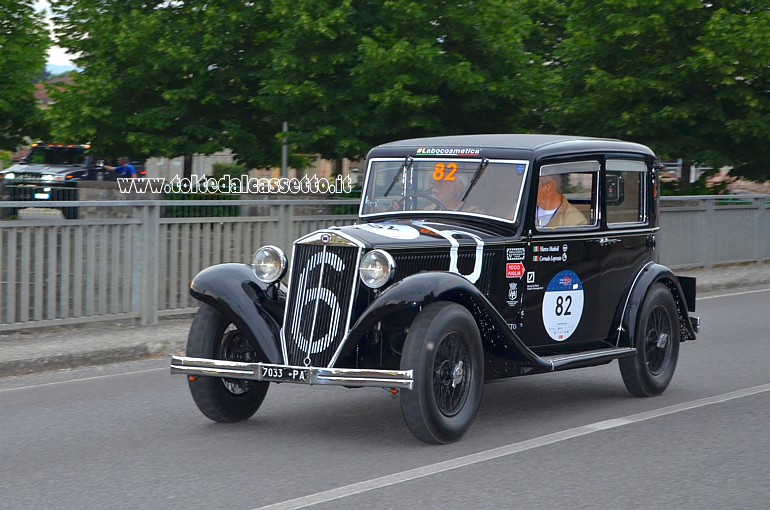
(212, 336)
(651, 369)
(443, 349)
(235, 347)
(450, 381)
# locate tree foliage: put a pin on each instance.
(23, 44)
(690, 78)
(351, 74)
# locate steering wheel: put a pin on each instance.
(433, 200)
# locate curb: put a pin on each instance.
(148, 350)
(159, 349)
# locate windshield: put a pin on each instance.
(57, 156)
(480, 187)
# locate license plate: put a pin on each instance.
(42, 196)
(285, 374)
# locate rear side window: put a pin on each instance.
(625, 191)
(567, 195)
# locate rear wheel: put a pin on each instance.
(212, 336)
(443, 348)
(649, 372)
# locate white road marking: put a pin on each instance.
(732, 294)
(503, 451)
(81, 379)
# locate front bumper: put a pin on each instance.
(351, 377)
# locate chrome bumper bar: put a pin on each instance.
(356, 377)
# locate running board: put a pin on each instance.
(586, 358)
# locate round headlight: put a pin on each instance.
(47, 178)
(10, 175)
(376, 268)
(269, 264)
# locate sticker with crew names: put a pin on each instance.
(563, 305)
(552, 253)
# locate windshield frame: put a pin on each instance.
(365, 195)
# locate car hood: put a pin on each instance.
(412, 234)
(31, 168)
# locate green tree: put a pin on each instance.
(23, 44)
(347, 75)
(161, 78)
(687, 77)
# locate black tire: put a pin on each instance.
(443, 347)
(649, 371)
(223, 400)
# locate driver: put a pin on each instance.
(447, 195)
(450, 193)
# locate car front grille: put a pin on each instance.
(416, 262)
(28, 177)
(322, 283)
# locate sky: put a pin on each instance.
(56, 55)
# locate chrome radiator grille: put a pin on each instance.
(323, 278)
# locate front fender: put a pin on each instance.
(424, 288)
(648, 276)
(254, 307)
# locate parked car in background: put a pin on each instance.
(51, 172)
(477, 258)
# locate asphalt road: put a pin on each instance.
(129, 436)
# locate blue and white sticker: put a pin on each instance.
(563, 305)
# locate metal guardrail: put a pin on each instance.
(134, 259)
(704, 231)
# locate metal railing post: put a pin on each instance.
(144, 264)
(707, 229)
(763, 225)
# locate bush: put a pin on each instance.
(234, 170)
(5, 159)
(699, 187)
(201, 211)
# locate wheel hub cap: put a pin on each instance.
(457, 374)
(662, 340)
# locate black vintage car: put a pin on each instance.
(477, 258)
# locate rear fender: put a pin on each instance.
(254, 307)
(648, 276)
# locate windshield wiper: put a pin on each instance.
(407, 163)
(476, 175)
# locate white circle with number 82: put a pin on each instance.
(563, 305)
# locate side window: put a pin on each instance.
(567, 195)
(625, 191)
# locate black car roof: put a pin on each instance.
(511, 145)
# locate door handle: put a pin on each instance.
(606, 241)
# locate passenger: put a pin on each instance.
(553, 208)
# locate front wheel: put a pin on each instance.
(656, 339)
(443, 348)
(212, 336)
